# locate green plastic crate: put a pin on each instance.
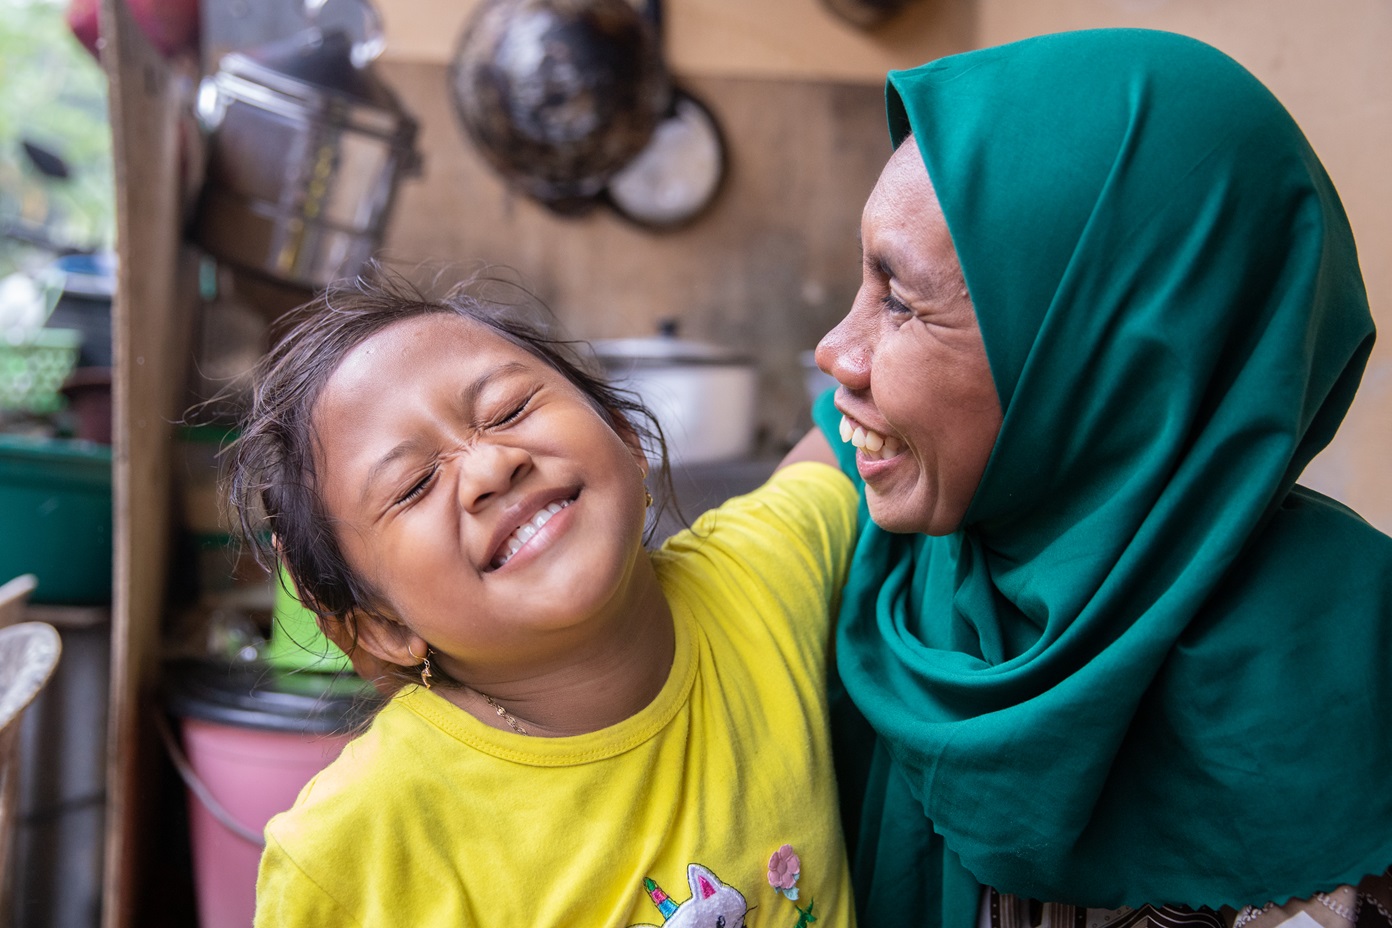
(55, 517)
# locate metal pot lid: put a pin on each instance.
(314, 70)
(665, 348)
(673, 179)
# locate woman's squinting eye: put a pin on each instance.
(892, 303)
(417, 491)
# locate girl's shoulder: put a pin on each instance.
(792, 536)
(380, 757)
(796, 499)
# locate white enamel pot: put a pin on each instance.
(704, 396)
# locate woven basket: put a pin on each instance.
(32, 370)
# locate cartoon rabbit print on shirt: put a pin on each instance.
(712, 904)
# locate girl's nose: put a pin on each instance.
(488, 471)
(845, 354)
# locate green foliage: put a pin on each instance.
(53, 94)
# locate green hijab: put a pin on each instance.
(1149, 668)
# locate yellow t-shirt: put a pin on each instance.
(668, 818)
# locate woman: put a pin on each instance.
(1112, 655)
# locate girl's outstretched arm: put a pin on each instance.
(811, 447)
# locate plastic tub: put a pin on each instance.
(296, 641)
(253, 736)
(55, 506)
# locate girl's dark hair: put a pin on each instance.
(272, 476)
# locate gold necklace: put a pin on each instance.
(503, 714)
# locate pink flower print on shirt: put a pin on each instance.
(784, 868)
(783, 871)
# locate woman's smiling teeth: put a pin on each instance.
(872, 444)
(514, 542)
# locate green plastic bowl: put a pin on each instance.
(55, 517)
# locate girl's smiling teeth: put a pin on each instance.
(872, 444)
(514, 542)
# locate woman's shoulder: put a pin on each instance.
(1309, 535)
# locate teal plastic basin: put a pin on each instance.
(55, 518)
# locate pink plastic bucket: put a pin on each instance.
(253, 775)
(253, 736)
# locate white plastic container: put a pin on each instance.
(704, 396)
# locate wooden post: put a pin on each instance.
(151, 316)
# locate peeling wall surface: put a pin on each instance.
(775, 262)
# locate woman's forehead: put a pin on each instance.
(904, 181)
(904, 225)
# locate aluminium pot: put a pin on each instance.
(704, 396)
(305, 152)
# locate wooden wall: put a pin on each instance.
(776, 39)
(152, 320)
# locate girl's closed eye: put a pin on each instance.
(516, 413)
(417, 491)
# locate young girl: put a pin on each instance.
(583, 732)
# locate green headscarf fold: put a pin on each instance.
(1149, 668)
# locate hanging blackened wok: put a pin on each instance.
(558, 95)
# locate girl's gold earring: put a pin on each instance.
(425, 674)
(647, 499)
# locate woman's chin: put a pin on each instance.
(891, 513)
(904, 514)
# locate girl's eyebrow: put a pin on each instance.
(468, 398)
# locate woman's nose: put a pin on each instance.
(845, 355)
(488, 471)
